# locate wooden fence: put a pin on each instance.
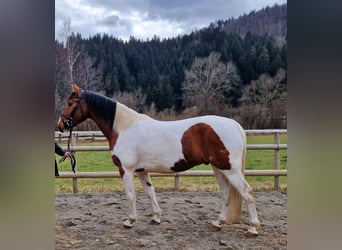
(98, 135)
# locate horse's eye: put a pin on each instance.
(69, 103)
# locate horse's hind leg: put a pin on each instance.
(224, 188)
(237, 180)
(147, 185)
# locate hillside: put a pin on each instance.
(155, 70)
(269, 20)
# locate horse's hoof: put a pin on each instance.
(215, 226)
(251, 233)
(128, 223)
(154, 222)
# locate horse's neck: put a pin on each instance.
(102, 125)
(125, 118)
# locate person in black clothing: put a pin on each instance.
(61, 152)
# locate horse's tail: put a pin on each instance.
(244, 151)
(244, 146)
(235, 199)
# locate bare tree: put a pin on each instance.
(265, 100)
(87, 75)
(207, 81)
(79, 66)
(73, 50)
(134, 100)
(264, 90)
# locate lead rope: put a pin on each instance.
(72, 158)
(69, 139)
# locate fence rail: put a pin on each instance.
(269, 172)
(98, 135)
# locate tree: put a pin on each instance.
(134, 100)
(264, 90)
(73, 49)
(207, 81)
(87, 75)
(265, 100)
(61, 71)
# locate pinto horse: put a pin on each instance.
(140, 144)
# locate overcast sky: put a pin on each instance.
(146, 18)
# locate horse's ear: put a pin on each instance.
(76, 89)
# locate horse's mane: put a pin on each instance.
(103, 105)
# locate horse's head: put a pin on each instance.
(74, 111)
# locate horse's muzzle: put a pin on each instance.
(65, 124)
(60, 125)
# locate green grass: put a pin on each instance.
(102, 162)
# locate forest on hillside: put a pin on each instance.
(209, 71)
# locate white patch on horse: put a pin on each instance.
(126, 117)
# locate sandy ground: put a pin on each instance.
(94, 221)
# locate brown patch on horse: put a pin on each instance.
(201, 144)
(117, 162)
(182, 165)
(139, 170)
(112, 141)
(112, 138)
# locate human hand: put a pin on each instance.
(67, 154)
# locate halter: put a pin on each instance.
(68, 124)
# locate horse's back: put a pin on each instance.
(228, 130)
(223, 126)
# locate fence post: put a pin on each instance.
(276, 160)
(74, 180)
(176, 182)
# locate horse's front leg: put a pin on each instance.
(147, 184)
(128, 182)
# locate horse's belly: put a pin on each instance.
(161, 160)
